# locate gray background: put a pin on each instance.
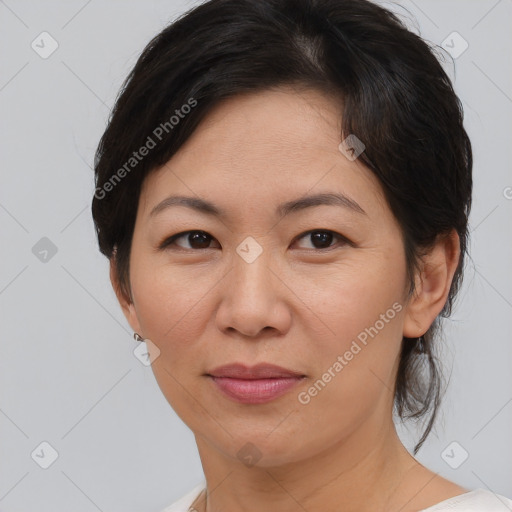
(68, 375)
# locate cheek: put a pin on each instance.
(352, 297)
(171, 311)
(170, 306)
(354, 370)
(361, 315)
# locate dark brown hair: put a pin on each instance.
(395, 97)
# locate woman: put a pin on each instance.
(283, 192)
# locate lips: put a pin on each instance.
(260, 371)
(256, 384)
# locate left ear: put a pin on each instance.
(432, 285)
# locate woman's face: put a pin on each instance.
(256, 288)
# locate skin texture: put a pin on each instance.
(297, 305)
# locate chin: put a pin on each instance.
(264, 450)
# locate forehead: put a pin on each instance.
(271, 145)
(282, 123)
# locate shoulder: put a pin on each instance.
(183, 504)
(479, 500)
(437, 494)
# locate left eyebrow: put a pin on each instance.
(203, 206)
(317, 200)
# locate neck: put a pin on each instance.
(354, 475)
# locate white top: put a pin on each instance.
(479, 500)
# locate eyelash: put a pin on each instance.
(168, 242)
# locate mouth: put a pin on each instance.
(254, 385)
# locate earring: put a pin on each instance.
(137, 337)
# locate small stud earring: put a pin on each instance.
(137, 337)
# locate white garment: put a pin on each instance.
(479, 500)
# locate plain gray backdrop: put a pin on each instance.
(68, 375)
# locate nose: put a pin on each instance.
(254, 300)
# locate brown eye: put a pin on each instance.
(194, 239)
(322, 239)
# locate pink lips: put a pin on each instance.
(254, 385)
